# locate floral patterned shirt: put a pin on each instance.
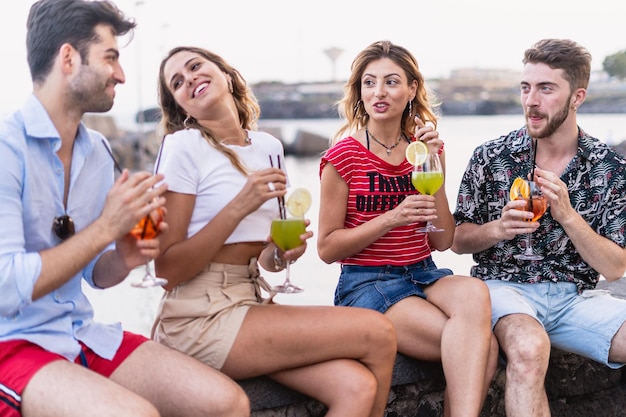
(596, 180)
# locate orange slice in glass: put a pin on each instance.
(520, 190)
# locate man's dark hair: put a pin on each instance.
(51, 23)
(564, 54)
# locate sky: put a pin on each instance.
(286, 40)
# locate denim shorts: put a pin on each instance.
(584, 324)
(380, 287)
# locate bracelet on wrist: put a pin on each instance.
(278, 262)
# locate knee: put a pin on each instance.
(473, 302)
(382, 335)
(361, 389)
(233, 402)
(478, 293)
(142, 408)
(528, 356)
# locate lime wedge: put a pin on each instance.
(298, 202)
(416, 152)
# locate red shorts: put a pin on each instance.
(20, 360)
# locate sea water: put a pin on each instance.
(136, 307)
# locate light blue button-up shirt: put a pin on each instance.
(31, 196)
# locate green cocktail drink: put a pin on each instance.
(286, 232)
(427, 182)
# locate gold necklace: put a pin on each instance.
(388, 148)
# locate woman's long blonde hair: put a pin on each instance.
(350, 106)
(174, 118)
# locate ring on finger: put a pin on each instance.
(271, 186)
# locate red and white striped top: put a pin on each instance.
(377, 186)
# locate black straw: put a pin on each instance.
(119, 169)
(280, 199)
(532, 168)
(532, 173)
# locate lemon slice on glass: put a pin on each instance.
(298, 202)
(416, 152)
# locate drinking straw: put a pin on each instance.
(117, 166)
(532, 168)
(158, 161)
(532, 173)
(280, 199)
(156, 169)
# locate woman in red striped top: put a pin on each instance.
(369, 216)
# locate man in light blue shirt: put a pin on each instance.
(65, 219)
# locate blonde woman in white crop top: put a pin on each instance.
(220, 203)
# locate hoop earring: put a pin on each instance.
(187, 122)
(410, 107)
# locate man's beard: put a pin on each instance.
(87, 92)
(553, 123)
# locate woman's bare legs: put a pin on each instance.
(345, 386)
(455, 318)
(326, 352)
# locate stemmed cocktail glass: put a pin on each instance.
(285, 231)
(536, 203)
(286, 235)
(148, 228)
(427, 178)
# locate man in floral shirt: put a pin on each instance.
(553, 301)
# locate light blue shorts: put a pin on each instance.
(584, 324)
(380, 287)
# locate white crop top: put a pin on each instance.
(192, 166)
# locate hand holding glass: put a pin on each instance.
(537, 204)
(427, 178)
(148, 228)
